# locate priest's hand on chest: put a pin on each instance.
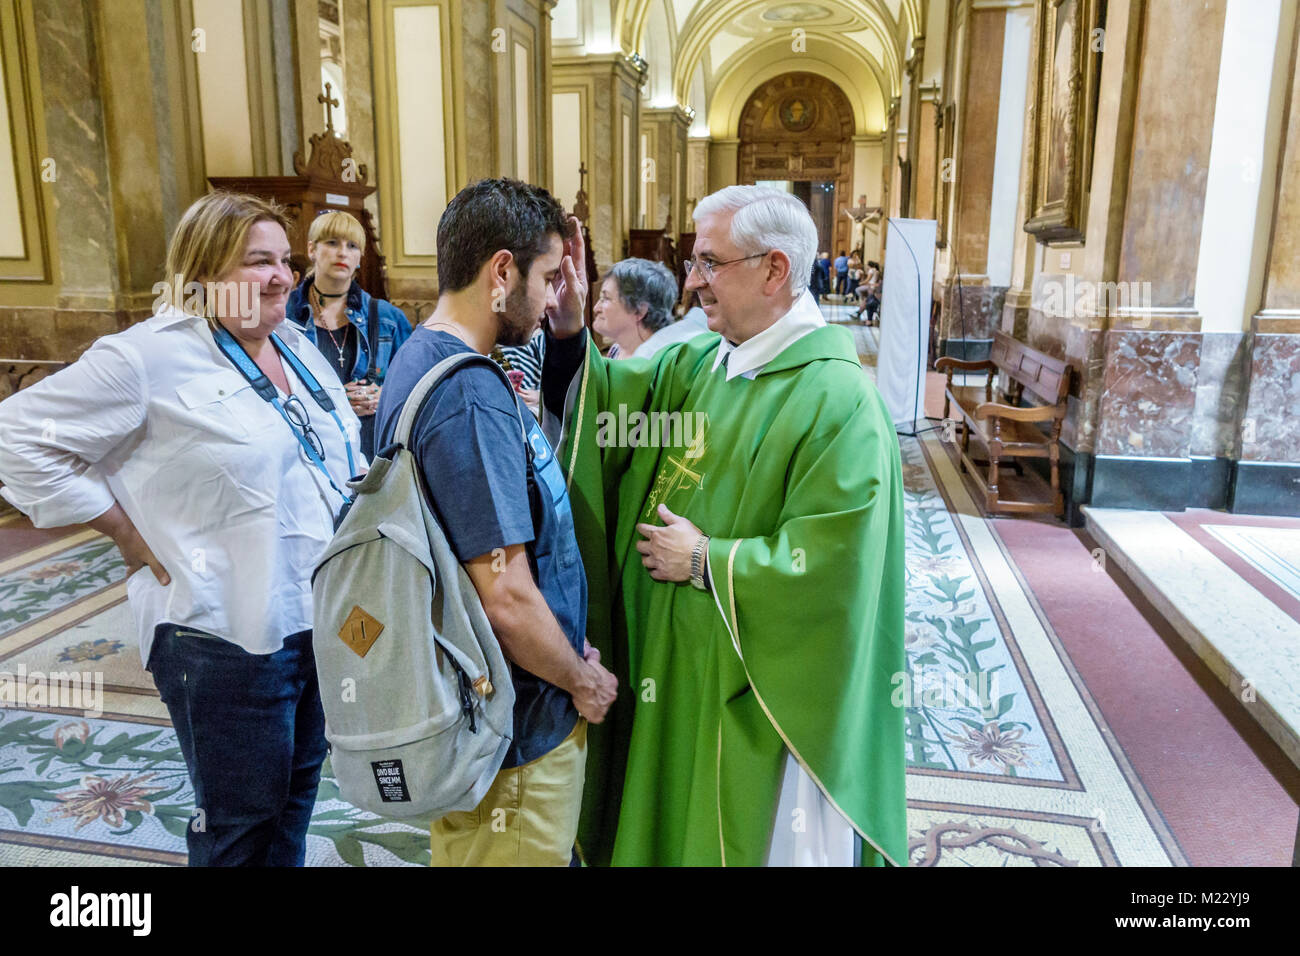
(666, 550)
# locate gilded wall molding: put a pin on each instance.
(28, 279)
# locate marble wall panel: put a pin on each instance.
(1046, 332)
(971, 311)
(58, 334)
(1148, 397)
(1015, 319)
(1271, 416)
(74, 126)
(1085, 350)
(1220, 387)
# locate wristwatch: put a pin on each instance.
(698, 558)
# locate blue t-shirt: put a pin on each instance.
(471, 455)
(841, 265)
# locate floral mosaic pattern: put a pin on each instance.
(95, 650)
(115, 782)
(967, 710)
(30, 593)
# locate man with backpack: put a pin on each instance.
(496, 490)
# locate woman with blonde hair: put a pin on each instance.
(355, 331)
(211, 443)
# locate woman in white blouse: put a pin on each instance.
(220, 488)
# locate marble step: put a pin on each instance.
(1247, 641)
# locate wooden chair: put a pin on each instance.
(1004, 428)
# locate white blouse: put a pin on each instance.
(211, 475)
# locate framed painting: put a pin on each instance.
(1064, 116)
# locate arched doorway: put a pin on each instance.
(797, 129)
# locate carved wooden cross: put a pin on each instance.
(329, 102)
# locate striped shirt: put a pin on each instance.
(528, 359)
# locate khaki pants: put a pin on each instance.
(529, 817)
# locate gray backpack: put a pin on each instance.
(418, 700)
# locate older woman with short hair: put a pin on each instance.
(211, 443)
(635, 309)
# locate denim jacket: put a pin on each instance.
(394, 327)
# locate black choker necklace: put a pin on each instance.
(328, 295)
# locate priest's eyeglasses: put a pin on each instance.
(707, 267)
(293, 407)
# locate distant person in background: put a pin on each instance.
(869, 293)
(855, 276)
(841, 272)
(821, 284)
(635, 309)
(334, 313)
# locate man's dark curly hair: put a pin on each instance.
(488, 216)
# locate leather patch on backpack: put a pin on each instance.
(360, 631)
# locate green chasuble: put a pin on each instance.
(796, 475)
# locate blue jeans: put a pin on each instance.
(252, 731)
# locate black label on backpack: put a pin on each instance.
(391, 781)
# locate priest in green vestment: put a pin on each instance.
(738, 505)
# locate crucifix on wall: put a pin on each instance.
(862, 216)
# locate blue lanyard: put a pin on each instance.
(266, 389)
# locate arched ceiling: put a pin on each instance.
(839, 60)
(739, 44)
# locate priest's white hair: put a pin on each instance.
(764, 219)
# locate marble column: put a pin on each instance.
(724, 163)
(970, 307)
(359, 90)
(1153, 342)
(1019, 298)
(697, 176)
(1239, 202)
(670, 126)
(925, 165)
(868, 157)
(131, 137)
(608, 88)
(1267, 474)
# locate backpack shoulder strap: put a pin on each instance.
(431, 379)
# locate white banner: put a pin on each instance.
(905, 320)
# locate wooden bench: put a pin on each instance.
(1003, 428)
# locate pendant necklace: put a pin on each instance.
(337, 345)
(320, 310)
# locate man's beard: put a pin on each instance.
(518, 322)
